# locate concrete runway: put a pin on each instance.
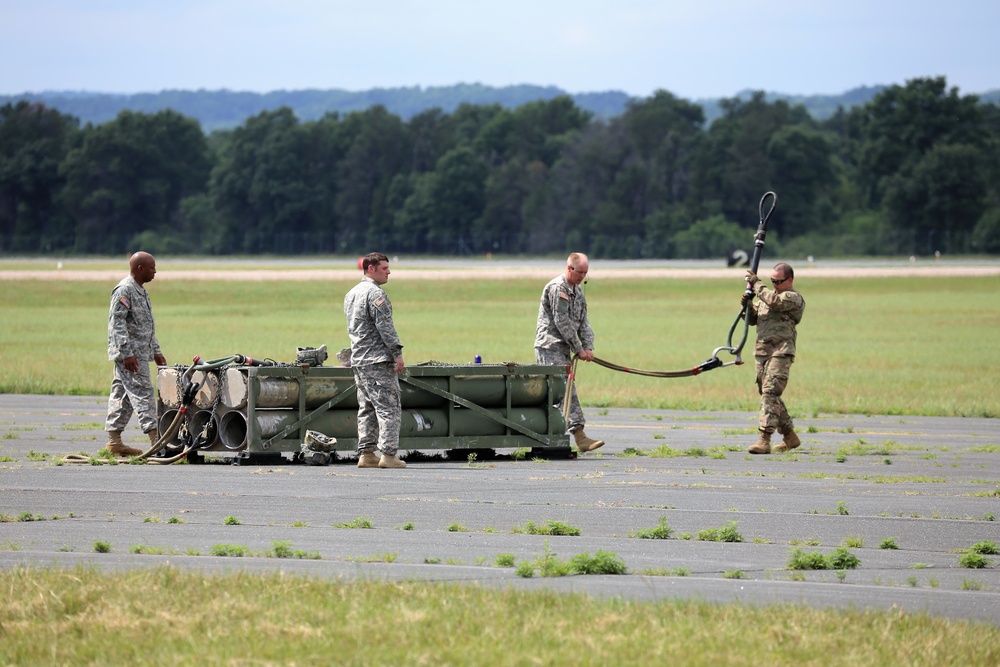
(930, 484)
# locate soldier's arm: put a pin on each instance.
(586, 332)
(157, 352)
(120, 347)
(381, 311)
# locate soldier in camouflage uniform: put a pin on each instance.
(377, 360)
(132, 345)
(564, 330)
(776, 314)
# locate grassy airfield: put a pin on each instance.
(890, 345)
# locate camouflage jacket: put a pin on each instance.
(776, 316)
(369, 324)
(562, 318)
(131, 330)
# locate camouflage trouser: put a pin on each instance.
(379, 407)
(560, 358)
(772, 378)
(128, 391)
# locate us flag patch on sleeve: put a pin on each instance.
(379, 301)
(125, 302)
(563, 295)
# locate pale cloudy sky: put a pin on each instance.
(693, 48)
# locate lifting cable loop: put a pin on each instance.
(190, 388)
(758, 247)
(187, 397)
(770, 200)
(687, 372)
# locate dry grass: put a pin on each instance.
(168, 616)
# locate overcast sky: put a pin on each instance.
(692, 48)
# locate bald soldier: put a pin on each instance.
(132, 345)
(563, 330)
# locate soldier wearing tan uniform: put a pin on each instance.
(132, 345)
(564, 330)
(377, 361)
(776, 314)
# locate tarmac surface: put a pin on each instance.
(930, 485)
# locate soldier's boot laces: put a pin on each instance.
(391, 461)
(119, 448)
(585, 444)
(762, 446)
(788, 442)
(368, 460)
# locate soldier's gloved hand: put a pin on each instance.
(751, 278)
(747, 298)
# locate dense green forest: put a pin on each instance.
(911, 171)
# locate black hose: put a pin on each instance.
(714, 361)
(758, 247)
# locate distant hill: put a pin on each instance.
(225, 109)
(991, 97)
(820, 107)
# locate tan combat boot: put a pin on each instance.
(154, 436)
(391, 461)
(763, 444)
(788, 442)
(119, 448)
(368, 460)
(585, 444)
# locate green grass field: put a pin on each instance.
(163, 615)
(876, 346)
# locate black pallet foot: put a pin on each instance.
(553, 453)
(261, 459)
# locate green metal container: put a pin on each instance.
(316, 386)
(268, 409)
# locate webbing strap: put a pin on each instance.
(713, 361)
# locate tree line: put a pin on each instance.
(227, 109)
(912, 171)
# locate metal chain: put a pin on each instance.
(215, 403)
(218, 395)
(177, 381)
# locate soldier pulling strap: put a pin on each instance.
(714, 361)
